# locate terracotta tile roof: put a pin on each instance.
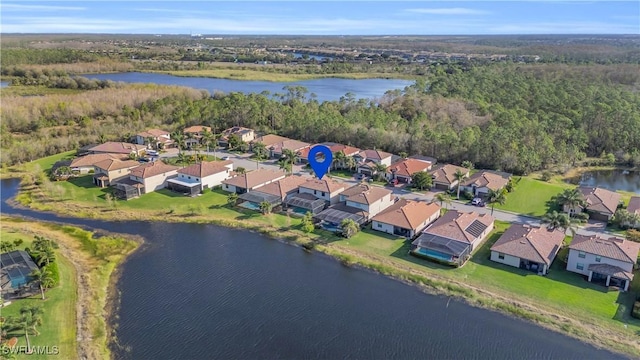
(116, 164)
(152, 169)
(459, 226)
(196, 129)
(407, 214)
(293, 145)
(239, 130)
(365, 194)
(206, 168)
(270, 139)
(446, 173)
(408, 167)
(490, 179)
(374, 154)
(92, 159)
(304, 153)
(117, 148)
(601, 200)
(612, 247)
(153, 133)
(530, 243)
(326, 185)
(634, 205)
(254, 178)
(283, 187)
(346, 149)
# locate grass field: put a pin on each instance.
(560, 291)
(59, 318)
(532, 196)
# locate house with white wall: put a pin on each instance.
(194, 178)
(153, 176)
(326, 189)
(406, 218)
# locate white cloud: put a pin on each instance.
(21, 7)
(449, 11)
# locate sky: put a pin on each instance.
(321, 17)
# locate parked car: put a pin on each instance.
(477, 202)
(152, 153)
(225, 158)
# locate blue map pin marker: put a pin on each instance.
(320, 167)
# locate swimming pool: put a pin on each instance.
(434, 254)
(250, 206)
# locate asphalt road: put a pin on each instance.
(243, 160)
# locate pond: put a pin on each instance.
(328, 89)
(610, 179)
(196, 291)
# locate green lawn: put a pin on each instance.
(532, 196)
(560, 290)
(59, 318)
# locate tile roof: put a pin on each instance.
(613, 247)
(611, 270)
(293, 145)
(284, 186)
(408, 167)
(407, 214)
(346, 149)
(326, 184)
(446, 173)
(92, 159)
(153, 133)
(530, 243)
(196, 129)
(254, 178)
(634, 205)
(601, 200)
(365, 194)
(238, 130)
(374, 154)
(152, 169)
(490, 179)
(459, 226)
(117, 148)
(270, 139)
(116, 164)
(206, 168)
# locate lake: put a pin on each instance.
(610, 179)
(316, 57)
(202, 292)
(328, 89)
(4, 84)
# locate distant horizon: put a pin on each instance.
(325, 18)
(314, 35)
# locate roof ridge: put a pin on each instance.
(621, 249)
(531, 229)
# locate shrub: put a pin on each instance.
(55, 273)
(546, 175)
(636, 310)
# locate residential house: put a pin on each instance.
(112, 147)
(359, 203)
(403, 170)
(244, 134)
(85, 164)
(528, 247)
(601, 204)
(301, 203)
(193, 179)
(348, 151)
(481, 182)
(248, 181)
(444, 176)
(15, 269)
(152, 176)
(634, 208)
(276, 144)
(107, 171)
(367, 161)
(193, 135)
(453, 237)
(161, 139)
(406, 218)
(274, 193)
(326, 189)
(608, 260)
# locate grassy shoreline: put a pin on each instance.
(598, 322)
(257, 75)
(92, 265)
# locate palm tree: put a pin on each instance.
(381, 171)
(338, 160)
(30, 317)
(571, 198)
(178, 137)
(403, 154)
(232, 199)
(556, 220)
(467, 165)
(443, 198)
(496, 196)
(45, 256)
(350, 163)
(459, 175)
(259, 152)
(289, 156)
(151, 141)
(285, 165)
(207, 137)
(241, 170)
(422, 180)
(265, 207)
(44, 279)
(349, 228)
